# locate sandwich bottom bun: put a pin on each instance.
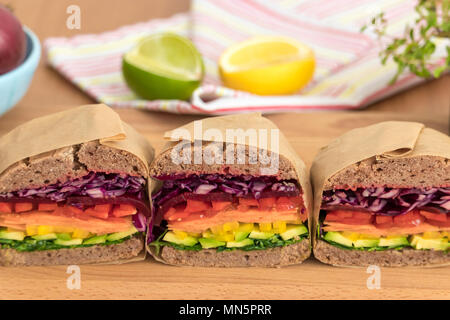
(272, 257)
(330, 254)
(114, 253)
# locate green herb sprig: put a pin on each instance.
(413, 50)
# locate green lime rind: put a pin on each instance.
(154, 87)
(163, 66)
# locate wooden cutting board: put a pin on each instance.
(311, 280)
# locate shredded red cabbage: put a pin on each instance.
(389, 201)
(94, 185)
(238, 186)
(140, 222)
(216, 187)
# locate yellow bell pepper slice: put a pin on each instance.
(45, 230)
(80, 234)
(265, 227)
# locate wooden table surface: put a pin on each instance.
(49, 92)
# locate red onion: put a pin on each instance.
(13, 44)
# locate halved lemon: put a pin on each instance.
(163, 66)
(267, 65)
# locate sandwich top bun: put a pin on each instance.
(69, 163)
(290, 165)
(70, 144)
(393, 153)
(163, 164)
(414, 171)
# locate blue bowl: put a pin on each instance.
(14, 84)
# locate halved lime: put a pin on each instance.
(163, 66)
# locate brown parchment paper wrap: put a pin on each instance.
(71, 127)
(248, 121)
(67, 128)
(390, 139)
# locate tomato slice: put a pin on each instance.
(296, 201)
(440, 224)
(285, 203)
(196, 206)
(169, 213)
(343, 214)
(94, 213)
(249, 202)
(47, 206)
(384, 219)
(220, 205)
(384, 225)
(179, 215)
(410, 219)
(361, 215)
(23, 207)
(266, 204)
(434, 216)
(384, 222)
(353, 221)
(197, 216)
(123, 210)
(243, 207)
(349, 217)
(103, 208)
(6, 207)
(75, 210)
(332, 217)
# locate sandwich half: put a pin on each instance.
(389, 209)
(231, 215)
(73, 197)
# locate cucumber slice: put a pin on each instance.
(240, 235)
(120, 235)
(393, 242)
(12, 235)
(187, 241)
(260, 235)
(73, 242)
(366, 243)
(64, 236)
(419, 242)
(293, 231)
(208, 243)
(240, 244)
(48, 236)
(338, 238)
(96, 240)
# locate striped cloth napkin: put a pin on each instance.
(348, 72)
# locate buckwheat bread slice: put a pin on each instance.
(412, 172)
(126, 250)
(164, 165)
(272, 257)
(327, 253)
(69, 163)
